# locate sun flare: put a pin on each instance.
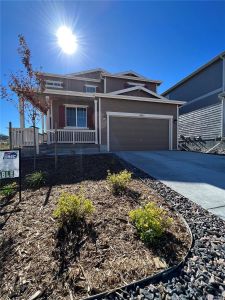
(66, 40)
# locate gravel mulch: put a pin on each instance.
(40, 261)
(203, 274)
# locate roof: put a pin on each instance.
(134, 75)
(119, 97)
(129, 73)
(88, 71)
(219, 56)
(136, 88)
(132, 78)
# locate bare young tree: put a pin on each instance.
(24, 89)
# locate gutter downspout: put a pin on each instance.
(222, 97)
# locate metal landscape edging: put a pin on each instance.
(153, 278)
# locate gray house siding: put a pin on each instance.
(208, 80)
(223, 112)
(205, 122)
(204, 113)
(204, 102)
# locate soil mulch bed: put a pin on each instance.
(39, 258)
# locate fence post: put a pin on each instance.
(56, 140)
(10, 136)
(96, 123)
(37, 141)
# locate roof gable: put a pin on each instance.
(89, 72)
(137, 88)
(129, 73)
(197, 71)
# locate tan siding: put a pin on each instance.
(132, 106)
(76, 85)
(93, 75)
(129, 134)
(115, 84)
(139, 94)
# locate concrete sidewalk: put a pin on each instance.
(197, 176)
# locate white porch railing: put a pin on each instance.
(71, 136)
(24, 137)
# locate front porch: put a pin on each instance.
(69, 120)
(71, 136)
(72, 120)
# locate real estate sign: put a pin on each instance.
(9, 164)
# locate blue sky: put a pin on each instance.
(161, 40)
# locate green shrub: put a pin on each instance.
(36, 179)
(72, 208)
(8, 190)
(119, 181)
(151, 221)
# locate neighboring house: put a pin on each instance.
(204, 91)
(117, 112)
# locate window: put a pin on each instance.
(135, 84)
(53, 84)
(76, 117)
(90, 89)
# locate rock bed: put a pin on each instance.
(203, 274)
(220, 149)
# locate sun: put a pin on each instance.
(66, 40)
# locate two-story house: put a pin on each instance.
(116, 112)
(204, 92)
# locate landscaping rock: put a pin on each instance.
(203, 274)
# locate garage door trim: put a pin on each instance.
(139, 115)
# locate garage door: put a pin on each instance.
(136, 134)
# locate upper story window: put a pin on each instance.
(135, 84)
(54, 84)
(90, 89)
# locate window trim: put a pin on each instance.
(92, 86)
(135, 83)
(75, 106)
(51, 84)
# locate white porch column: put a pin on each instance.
(100, 121)
(48, 121)
(96, 123)
(21, 111)
(42, 123)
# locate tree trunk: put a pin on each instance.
(34, 144)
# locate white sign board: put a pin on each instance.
(9, 164)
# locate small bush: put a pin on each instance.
(151, 222)
(36, 179)
(72, 208)
(8, 190)
(119, 181)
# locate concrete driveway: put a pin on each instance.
(199, 177)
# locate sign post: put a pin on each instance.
(10, 166)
